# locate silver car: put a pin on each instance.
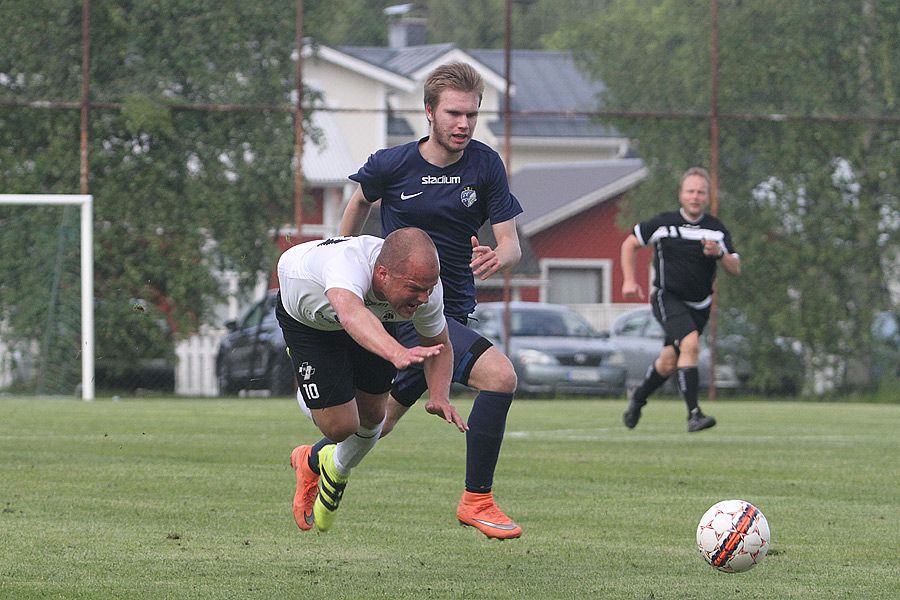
(638, 337)
(552, 348)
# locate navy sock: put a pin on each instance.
(652, 382)
(689, 385)
(487, 421)
(314, 454)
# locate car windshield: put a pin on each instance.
(547, 323)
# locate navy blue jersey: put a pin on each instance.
(449, 203)
(681, 267)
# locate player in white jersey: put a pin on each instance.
(335, 297)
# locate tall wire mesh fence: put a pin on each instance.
(801, 137)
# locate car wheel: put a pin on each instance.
(226, 386)
(281, 376)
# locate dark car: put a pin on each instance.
(253, 355)
(638, 337)
(552, 348)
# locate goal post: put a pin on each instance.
(86, 204)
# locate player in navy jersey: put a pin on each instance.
(449, 185)
(688, 246)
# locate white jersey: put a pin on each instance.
(308, 270)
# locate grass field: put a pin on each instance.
(169, 499)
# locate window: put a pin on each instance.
(577, 281)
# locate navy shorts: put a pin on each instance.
(678, 319)
(330, 366)
(467, 347)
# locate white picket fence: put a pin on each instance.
(195, 371)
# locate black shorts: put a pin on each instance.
(678, 319)
(330, 366)
(467, 345)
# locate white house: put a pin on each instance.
(572, 169)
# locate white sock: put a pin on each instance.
(351, 451)
(304, 407)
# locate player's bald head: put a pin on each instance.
(409, 249)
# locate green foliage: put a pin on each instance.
(187, 498)
(347, 22)
(39, 296)
(813, 205)
(179, 195)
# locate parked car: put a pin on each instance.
(553, 349)
(253, 354)
(638, 337)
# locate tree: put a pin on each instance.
(179, 194)
(813, 204)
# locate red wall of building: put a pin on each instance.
(592, 234)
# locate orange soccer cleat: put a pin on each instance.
(307, 487)
(480, 511)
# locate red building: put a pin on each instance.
(569, 233)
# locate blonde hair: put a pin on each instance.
(699, 171)
(453, 76)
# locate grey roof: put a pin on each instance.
(402, 61)
(543, 80)
(547, 81)
(398, 126)
(551, 193)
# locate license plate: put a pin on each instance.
(584, 375)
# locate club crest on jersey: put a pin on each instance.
(388, 316)
(468, 197)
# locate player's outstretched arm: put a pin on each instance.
(367, 330)
(438, 374)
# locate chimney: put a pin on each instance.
(405, 29)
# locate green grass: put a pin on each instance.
(156, 498)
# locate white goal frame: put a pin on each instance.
(86, 203)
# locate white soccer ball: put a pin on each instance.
(733, 536)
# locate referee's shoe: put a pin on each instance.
(633, 414)
(698, 421)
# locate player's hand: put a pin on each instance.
(484, 260)
(443, 408)
(416, 354)
(631, 290)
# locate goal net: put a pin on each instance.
(46, 295)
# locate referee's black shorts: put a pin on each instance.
(330, 365)
(677, 317)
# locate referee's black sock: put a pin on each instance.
(486, 424)
(652, 382)
(689, 385)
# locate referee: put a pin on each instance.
(688, 246)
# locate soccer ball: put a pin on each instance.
(733, 536)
